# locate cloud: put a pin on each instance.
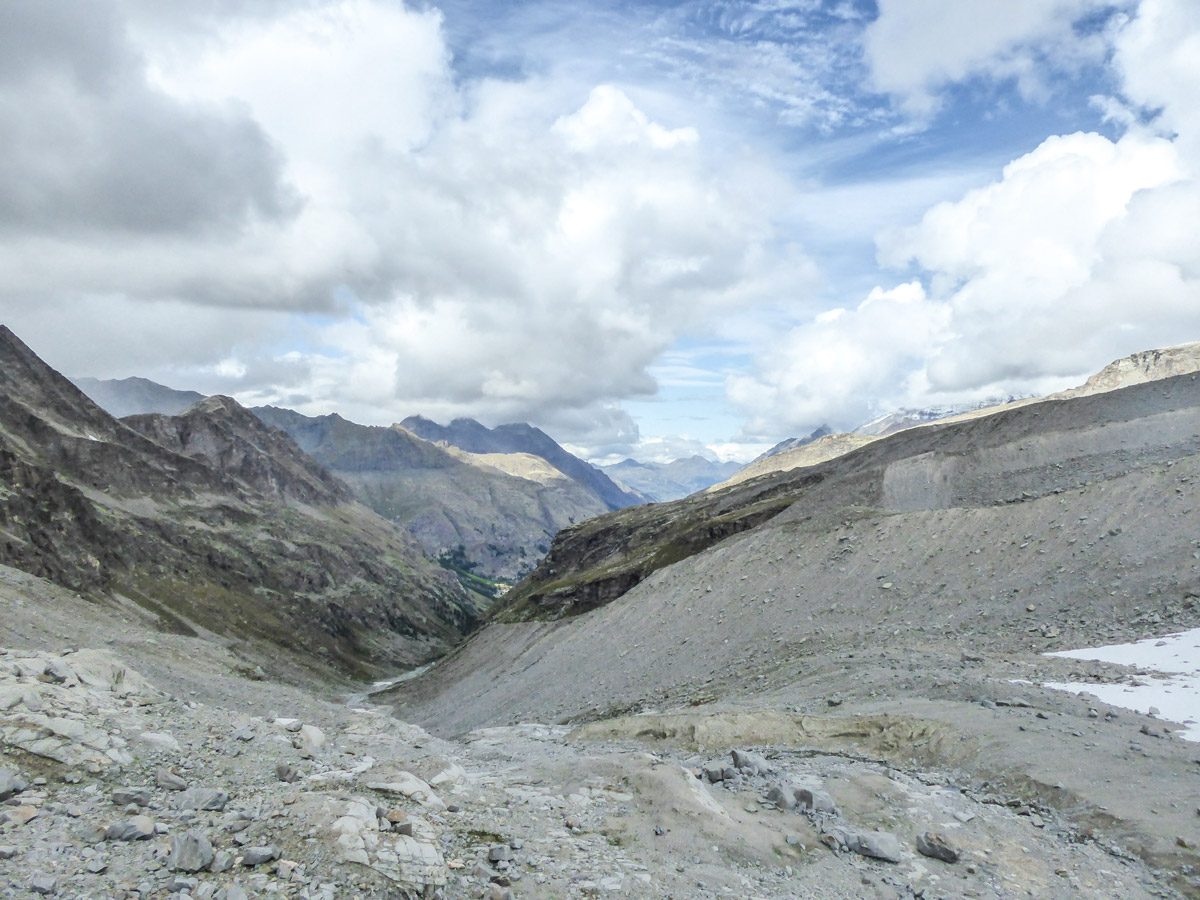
(915, 48)
(512, 250)
(837, 368)
(1081, 252)
(90, 146)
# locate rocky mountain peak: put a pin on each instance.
(221, 432)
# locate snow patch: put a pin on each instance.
(1176, 696)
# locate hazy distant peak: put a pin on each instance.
(133, 396)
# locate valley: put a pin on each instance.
(823, 680)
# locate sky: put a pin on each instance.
(650, 228)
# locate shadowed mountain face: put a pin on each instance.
(469, 435)
(211, 521)
(131, 396)
(489, 514)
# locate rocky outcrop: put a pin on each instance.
(222, 433)
(268, 550)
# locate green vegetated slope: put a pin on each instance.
(213, 521)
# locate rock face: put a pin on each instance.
(269, 549)
(489, 514)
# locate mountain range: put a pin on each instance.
(215, 523)
(488, 515)
(669, 481)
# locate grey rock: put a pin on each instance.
(782, 797)
(256, 856)
(499, 852)
(190, 852)
(91, 833)
(287, 772)
(7, 851)
(136, 796)
(243, 734)
(138, 828)
(815, 800)
(43, 884)
(202, 798)
(234, 892)
(11, 784)
(97, 866)
(169, 781)
(876, 844)
(750, 763)
(935, 846)
(222, 861)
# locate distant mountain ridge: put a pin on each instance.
(470, 435)
(659, 482)
(132, 396)
(473, 511)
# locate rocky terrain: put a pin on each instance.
(900, 595)
(819, 683)
(192, 781)
(486, 502)
(223, 528)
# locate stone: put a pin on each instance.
(21, 815)
(222, 862)
(91, 833)
(43, 884)
(408, 785)
(935, 846)
(243, 734)
(499, 852)
(159, 740)
(97, 866)
(7, 851)
(190, 852)
(783, 798)
(138, 828)
(136, 796)
(876, 844)
(168, 780)
(750, 763)
(11, 784)
(287, 772)
(256, 856)
(235, 892)
(202, 798)
(312, 738)
(815, 800)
